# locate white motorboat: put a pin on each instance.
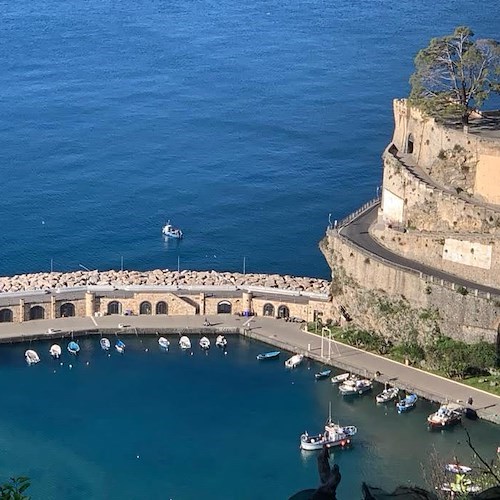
(105, 344)
(447, 415)
(171, 232)
(205, 343)
(221, 341)
(55, 351)
(355, 386)
(333, 435)
(184, 342)
(31, 357)
(388, 394)
(340, 378)
(457, 468)
(163, 342)
(294, 361)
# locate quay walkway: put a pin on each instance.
(284, 335)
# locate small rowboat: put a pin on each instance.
(55, 351)
(120, 346)
(221, 341)
(340, 378)
(73, 347)
(105, 344)
(184, 342)
(268, 355)
(407, 403)
(322, 375)
(163, 343)
(31, 357)
(205, 343)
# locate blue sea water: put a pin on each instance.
(244, 123)
(153, 424)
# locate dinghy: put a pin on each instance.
(221, 341)
(355, 386)
(105, 344)
(268, 355)
(294, 361)
(322, 375)
(457, 468)
(340, 378)
(120, 346)
(388, 394)
(205, 343)
(184, 342)
(73, 347)
(163, 343)
(31, 357)
(407, 403)
(55, 351)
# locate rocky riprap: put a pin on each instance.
(49, 281)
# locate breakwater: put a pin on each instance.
(159, 277)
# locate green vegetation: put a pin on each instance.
(474, 364)
(14, 489)
(455, 74)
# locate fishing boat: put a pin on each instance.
(340, 378)
(355, 386)
(163, 343)
(388, 394)
(171, 232)
(73, 347)
(268, 355)
(333, 435)
(105, 344)
(55, 351)
(322, 375)
(120, 346)
(221, 341)
(184, 342)
(294, 361)
(205, 343)
(447, 415)
(407, 403)
(31, 357)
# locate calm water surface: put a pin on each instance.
(246, 123)
(151, 424)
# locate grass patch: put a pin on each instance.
(485, 383)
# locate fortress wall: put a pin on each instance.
(472, 257)
(356, 274)
(479, 155)
(408, 201)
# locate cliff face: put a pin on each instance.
(440, 206)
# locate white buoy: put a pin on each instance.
(147, 350)
(88, 363)
(70, 366)
(61, 363)
(137, 457)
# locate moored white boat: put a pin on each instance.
(184, 342)
(322, 375)
(31, 357)
(73, 347)
(163, 342)
(268, 355)
(447, 415)
(120, 346)
(355, 386)
(388, 394)
(205, 343)
(294, 361)
(340, 378)
(457, 468)
(105, 344)
(221, 341)
(55, 351)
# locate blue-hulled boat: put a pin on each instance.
(322, 375)
(73, 347)
(120, 346)
(407, 403)
(268, 355)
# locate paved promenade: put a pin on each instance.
(278, 333)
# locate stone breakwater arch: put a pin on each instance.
(30, 297)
